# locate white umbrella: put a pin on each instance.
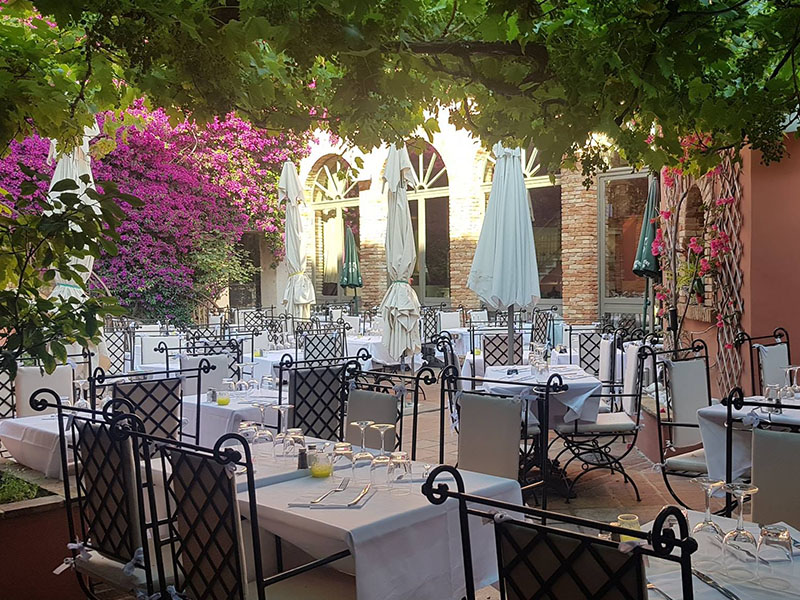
(504, 272)
(73, 165)
(299, 294)
(400, 306)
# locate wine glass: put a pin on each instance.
(771, 396)
(739, 546)
(342, 462)
(795, 384)
(363, 458)
(707, 530)
(293, 440)
(379, 468)
(774, 547)
(283, 421)
(267, 383)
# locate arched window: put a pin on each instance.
(429, 204)
(545, 199)
(334, 196)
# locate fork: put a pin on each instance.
(652, 587)
(342, 487)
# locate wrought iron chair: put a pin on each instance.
(157, 402)
(324, 345)
(318, 390)
(537, 557)
(542, 323)
(593, 444)
(688, 390)
(772, 353)
(495, 349)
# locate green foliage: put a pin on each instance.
(14, 489)
(219, 263)
(39, 238)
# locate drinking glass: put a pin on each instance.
(283, 421)
(379, 468)
(739, 546)
(795, 384)
(628, 521)
(211, 395)
(707, 533)
(267, 383)
(771, 396)
(363, 458)
(296, 439)
(399, 474)
(774, 555)
(342, 462)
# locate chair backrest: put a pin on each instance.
(480, 317)
(607, 359)
(157, 402)
(213, 379)
(688, 385)
(233, 348)
(542, 325)
(537, 561)
(449, 319)
(589, 351)
(322, 345)
(317, 395)
(209, 556)
(489, 434)
(495, 349)
(152, 328)
(354, 323)
(118, 343)
(369, 405)
(777, 495)
(149, 344)
(772, 359)
(630, 378)
(107, 494)
(30, 379)
(215, 319)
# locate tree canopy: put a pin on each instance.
(667, 82)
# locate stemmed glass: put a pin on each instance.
(707, 529)
(363, 458)
(267, 383)
(774, 546)
(739, 546)
(283, 421)
(379, 468)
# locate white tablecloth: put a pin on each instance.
(712, 430)
(33, 442)
(572, 405)
(216, 420)
(268, 363)
(402, 547)
(666, 575)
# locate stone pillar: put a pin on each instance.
(579, 247)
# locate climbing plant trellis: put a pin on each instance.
(719, 189)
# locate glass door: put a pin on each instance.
(622, 202)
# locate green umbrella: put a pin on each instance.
(350, 276)
(646, 264)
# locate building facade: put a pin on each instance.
(585, 238)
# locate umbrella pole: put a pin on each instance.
(355, 300)
(510, 335)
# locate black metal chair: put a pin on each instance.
(318, 390)
(771, 353)
(494, 347)
(542, 323)
(323, 345)
(688, 390)
(537, 558)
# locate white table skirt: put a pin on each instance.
(268, 364)
(575, 404)
(402, 547)
(666, 574)
(33, 442)
(712, 430)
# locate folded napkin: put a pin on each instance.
(336, 499)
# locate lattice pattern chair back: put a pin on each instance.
(117, 345)
(7, 408)
(589, 351)
(429, 326)
(495, 349)
(542, 325)
(326, 345)
(107, 495)
(317, 394)
(157, 402)
(205, 521)
(537, 561)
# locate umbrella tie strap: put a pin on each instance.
(70, 285)
(401, 281)
(296, 273)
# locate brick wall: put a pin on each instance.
(579, 246)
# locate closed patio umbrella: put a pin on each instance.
(299, 294)
(504, 271)
(73, 165)
(400, 307)
(646, 263)
(350, 276)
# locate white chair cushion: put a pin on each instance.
(489, 435)
(616, 422)
(31, 379)
(368, 405)
(354, 323)
(449, 320)
(691, 462)
(479, 316)
(776, 499)
(207, 380)
(149, 344)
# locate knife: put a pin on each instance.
(358, 498)
(711, 583)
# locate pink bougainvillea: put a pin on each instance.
(200, 185)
